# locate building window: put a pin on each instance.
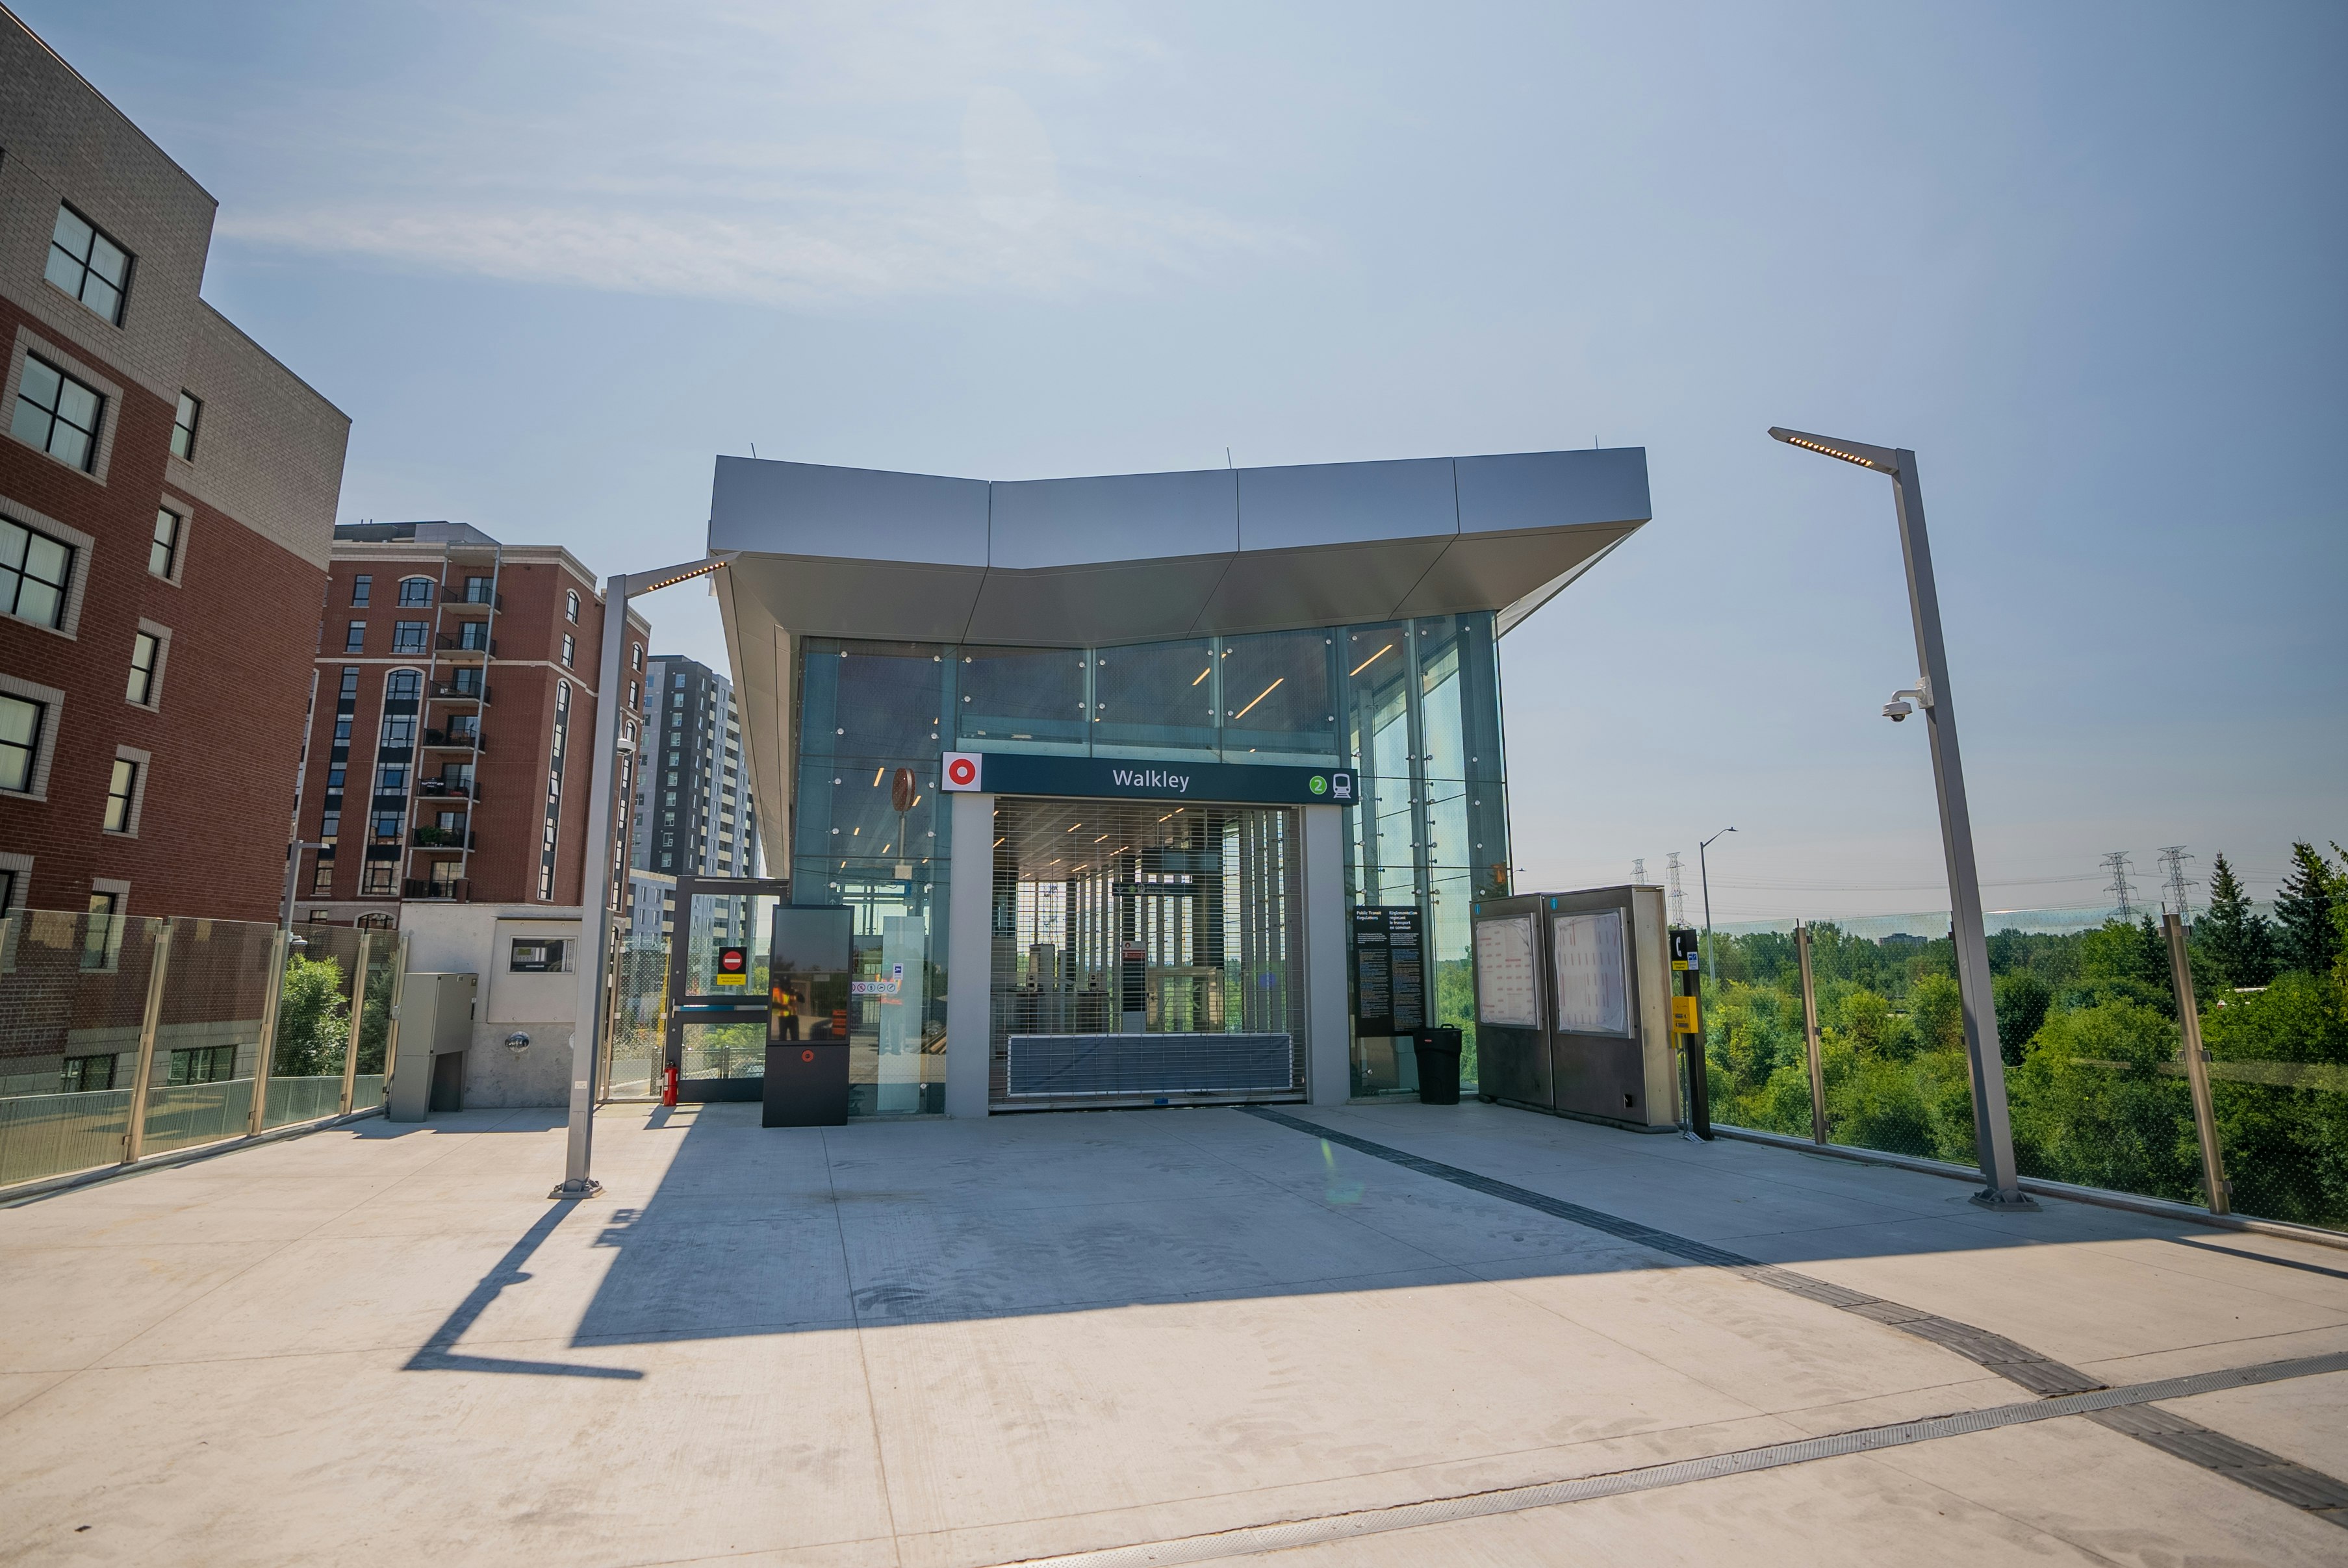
(183, 426)
(121, 790)
(635, 656)
(57, 413)
(355, 638)
(33, 572)
(403, 686)
(362, 590)
(163, 555)
(87, 265)
(387, 826)
(570, 606)
(322, 878)
(375, 881)
(570, 649)
(146, 662)
(335, 776)
(87, 1075)
(414, 590)
(203, 1064)
(399, 729)
(21, 722)
(633, 695)
(330, 822)
(342, 729)
(410, 636)
(555, 789)
(350, 687)
(391, 778)
(101, 939)
(476, 590)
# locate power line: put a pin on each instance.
(2116, 862)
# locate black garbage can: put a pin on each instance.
(1437, 1049)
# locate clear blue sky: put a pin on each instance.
(2087, 260)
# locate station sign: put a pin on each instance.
(1116, 778)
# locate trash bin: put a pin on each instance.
(1437, 1050)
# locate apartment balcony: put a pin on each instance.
(452, 890)
(460, 691)
(462, 646)
(455, 741)
(441, 838)
(465, 789)
(468, 602)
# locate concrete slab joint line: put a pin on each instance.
(2125, 1409)
(2016, 1363)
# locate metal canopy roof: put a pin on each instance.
(1134, 557)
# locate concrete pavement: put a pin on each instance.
(964, 1343)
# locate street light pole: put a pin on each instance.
(1992, 1130)
(595, 880)
(1711, 965)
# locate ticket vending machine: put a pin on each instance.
(808, 967)
(1573, 1005)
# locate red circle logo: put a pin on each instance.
(730, 959)
(807, 1056)
(963, 772)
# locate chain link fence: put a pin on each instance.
(2092, 1036)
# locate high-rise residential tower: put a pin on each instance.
(694, 811)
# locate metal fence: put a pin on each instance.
(123, 1038)
(2132, 1061)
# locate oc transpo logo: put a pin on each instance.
(962, 770)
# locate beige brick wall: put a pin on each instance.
(269, 450)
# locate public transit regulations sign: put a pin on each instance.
(1115, 778)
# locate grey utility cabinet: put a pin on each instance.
(436, 1025)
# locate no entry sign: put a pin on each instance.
(732, 967)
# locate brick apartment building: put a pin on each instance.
(452, 711)
(167, 499)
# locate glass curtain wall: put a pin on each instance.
(1413, 706)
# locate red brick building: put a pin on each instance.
(452, 724)
(167, 501)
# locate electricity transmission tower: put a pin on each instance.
(1679, 895)
(2172, 861)
(1639, 872)
(2116, 862)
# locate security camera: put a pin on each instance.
(1900, 707)
(1896, 710)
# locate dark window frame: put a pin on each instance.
(14, 575)
(55, 415)
(85, 266)
(184, 421)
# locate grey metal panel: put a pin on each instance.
(1346, 502)
(1124, 517)
(1483, 571)
(1276, 590)
(1139, 601)
(867, 513)
(1552, 489)
(878, 599)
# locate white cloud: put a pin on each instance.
(804, 155)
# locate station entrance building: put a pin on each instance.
(1107, 766)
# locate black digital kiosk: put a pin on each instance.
(808, 970)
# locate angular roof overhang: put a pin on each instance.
(1137, 557)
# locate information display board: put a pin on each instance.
(1507, 986)
(1592, 976)
(1389, 971)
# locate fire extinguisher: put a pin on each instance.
(669, 1084)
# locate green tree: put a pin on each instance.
(2023, 1000)
(2235, 935)
(1936, 1012)
(2303, 911)
(2094, 1103)
(313, 1020)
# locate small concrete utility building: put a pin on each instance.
(1106, 767)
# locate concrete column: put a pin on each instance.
(970, 973)
(1328, 1072)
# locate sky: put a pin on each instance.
(2084, 260)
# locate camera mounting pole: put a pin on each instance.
(1992, 1130)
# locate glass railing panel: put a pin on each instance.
(73, 997)
(2279, 1088)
